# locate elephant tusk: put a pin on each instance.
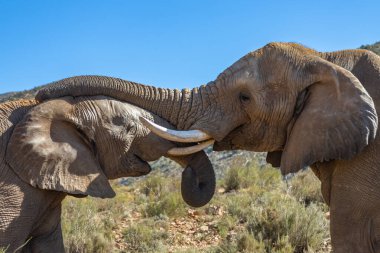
(175, 135)
(190, 150)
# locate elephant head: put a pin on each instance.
(283, 98)
(74, 145)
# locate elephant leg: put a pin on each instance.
(354, 209)
(52, 242)
(35, 224)
(324, 172)
(47, 235)
(353, 229)
(16, 214)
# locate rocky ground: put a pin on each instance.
(195, 231)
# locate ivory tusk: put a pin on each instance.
(190, 150)
(175, 135)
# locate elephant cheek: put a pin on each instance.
(129, 166)
(198, 181)
(222, 145)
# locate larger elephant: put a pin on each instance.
(72, 146)
(305, 108)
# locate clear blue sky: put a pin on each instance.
(173, 44)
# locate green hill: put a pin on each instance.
(374, 47)
(26, 94)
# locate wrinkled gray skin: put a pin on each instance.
(304, 107)
(72, 146)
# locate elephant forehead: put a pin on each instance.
(122, 113)
(245, 76)
(52, 109)
(112, 108)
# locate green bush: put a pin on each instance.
(274, 212)
(280, 218)
(244, 242)
(233, 179)
(248, 243)
(306, 187)
(170, 204)
(144, 238)
(264, 177)
(374, 47)
(85, 227)
(153, 186)
(225, 225)
(162, 197)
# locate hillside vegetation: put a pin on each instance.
(374, 47)
(26, 94)
(253, 210)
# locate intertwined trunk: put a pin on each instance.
(183, 109)
(180, 108)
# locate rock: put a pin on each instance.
(221, 190)
(204, 228)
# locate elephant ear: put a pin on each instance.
(338, 118)
(48, 151)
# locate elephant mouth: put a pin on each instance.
(227, 142)
(202, 139)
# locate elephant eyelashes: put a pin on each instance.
(244, 98)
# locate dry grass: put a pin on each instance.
(160, 196)
(259, 212)
(87, 223)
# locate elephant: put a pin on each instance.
(73, 146)
(303, 107)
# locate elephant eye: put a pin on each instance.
(118, 121)
(244, 98)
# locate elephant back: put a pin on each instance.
(364, 64)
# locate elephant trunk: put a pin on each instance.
(181, 109)
(171, 105)
(198, 180)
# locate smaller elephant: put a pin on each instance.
(73, 146)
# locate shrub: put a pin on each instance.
(225, 225)
(170, 204)
(282, 218)
(233, 179)
(274, 214)
(247, 243)
(244, 242)
(142, 238)
(306, 187)
(85, 229)
(153, 186)
(162, 197)
(264, 177)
